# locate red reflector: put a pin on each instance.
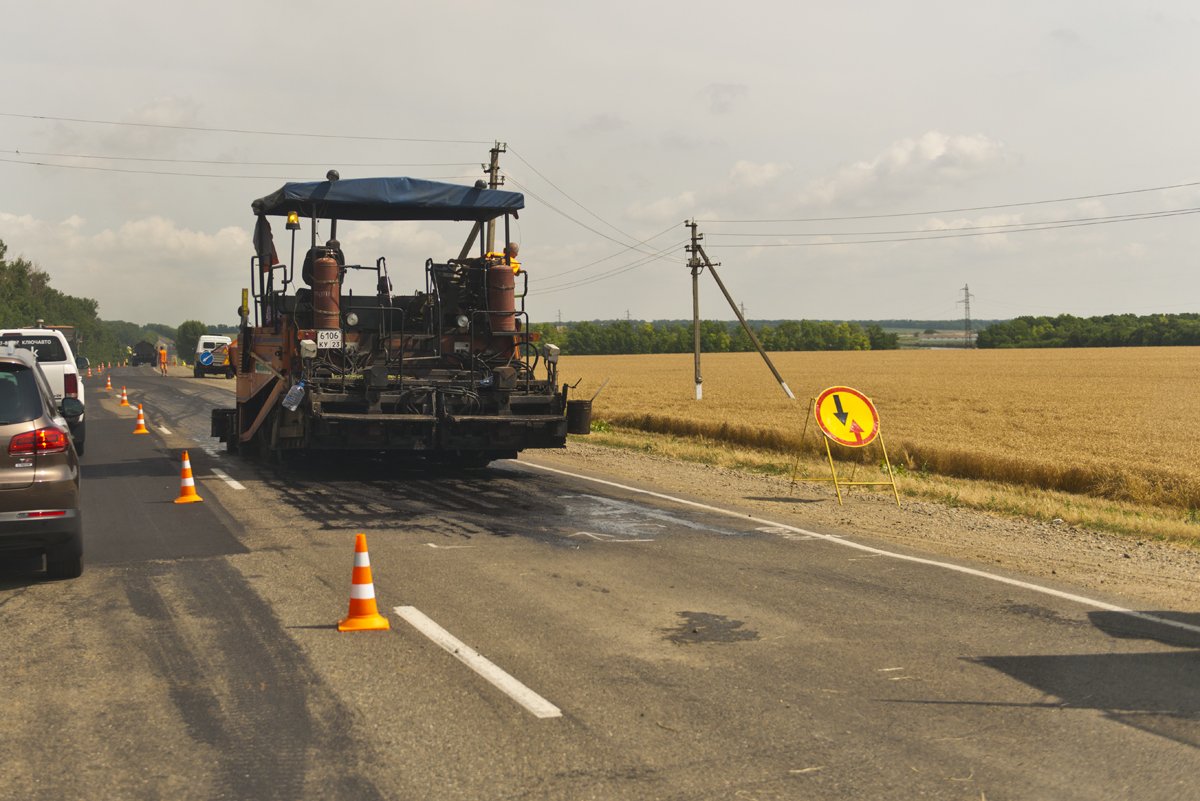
(49, 513)
(71, 385)
(44, 440)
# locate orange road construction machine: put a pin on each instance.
(448, 373)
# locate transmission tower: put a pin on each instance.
(968, 337)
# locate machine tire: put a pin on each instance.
(197, 372)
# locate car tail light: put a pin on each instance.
(71, 385)
(44, 440)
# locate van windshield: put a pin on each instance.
(46, 348)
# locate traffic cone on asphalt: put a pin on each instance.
(187, 485)
(89, 374)
(108, 383)
(363, 615)
(124, 398)
(140, 428)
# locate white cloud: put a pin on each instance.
(751, 175)
(153, 270)
(663, 209)
(722, 97)
(930, 161)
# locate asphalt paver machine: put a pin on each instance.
(449, 373)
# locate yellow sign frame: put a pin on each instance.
(871, 435)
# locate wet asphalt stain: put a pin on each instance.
(698, 627)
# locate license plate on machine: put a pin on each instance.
(329, 338)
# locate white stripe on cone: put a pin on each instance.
(362, 560)
(362, 591)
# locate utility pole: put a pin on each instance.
(703, 262)
(495, 181)
(966, 302)
(696, 266)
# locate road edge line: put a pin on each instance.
(970, 571)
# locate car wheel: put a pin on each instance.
(66, 568)
(65, 561)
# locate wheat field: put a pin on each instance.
(1118, 423)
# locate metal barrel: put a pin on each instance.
(579, 416)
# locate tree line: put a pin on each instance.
(26, 297)
(716, 336)
(1107, 331)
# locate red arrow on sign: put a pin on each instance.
(857, 429)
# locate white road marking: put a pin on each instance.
(447, 547)
(970, 571)
(164, 429)
(221, 474)
(604, 537)
(514, 689)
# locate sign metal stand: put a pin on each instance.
(848, 417)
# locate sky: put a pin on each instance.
(134, 136)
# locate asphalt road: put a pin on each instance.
(675, 652)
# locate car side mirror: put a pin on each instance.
(71, 408)
(82, 363)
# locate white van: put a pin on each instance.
(58, 362)
(212, 357)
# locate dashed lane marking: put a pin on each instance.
(970, 571)
(514, 689)
(165, 430)
(233, 482)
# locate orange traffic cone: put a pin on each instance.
(187, 485)
(89, 373)
(364, 615)
(108, 383)
(124, 398)
(140, 428)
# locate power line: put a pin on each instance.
(356, 137)
(240, 163)
(1016, 225)
(563, 192)
(173, 173)
(559, 211)
(615, 271)
(965, 208)
(1148, 216)
(615, 254)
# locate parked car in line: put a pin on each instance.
(39, 470)
(60, 365)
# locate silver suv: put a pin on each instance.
(39, 469)
(60, 365)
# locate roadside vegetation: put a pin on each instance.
(1096, 437)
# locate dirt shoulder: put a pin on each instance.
(1147, 575)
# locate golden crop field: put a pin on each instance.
(1120, 423)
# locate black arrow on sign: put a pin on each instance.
(839, 414)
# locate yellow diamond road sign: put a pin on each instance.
(847, 416)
